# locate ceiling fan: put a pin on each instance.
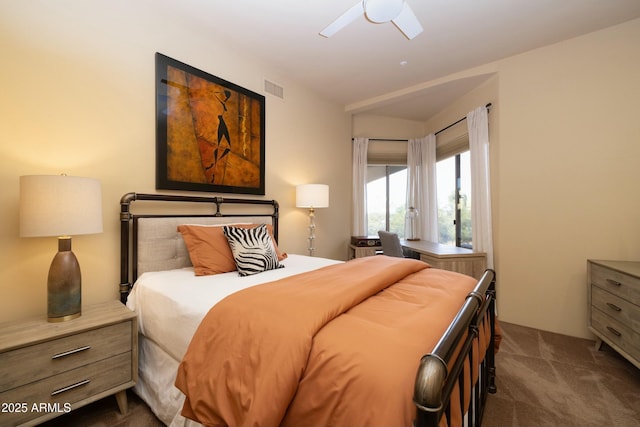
(379, 11)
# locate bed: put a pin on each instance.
(186, 317)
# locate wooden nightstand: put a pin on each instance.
(48, 369)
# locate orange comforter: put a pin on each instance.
(335, 346)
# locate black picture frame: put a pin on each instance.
(210, 133)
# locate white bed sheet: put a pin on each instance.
(156, 384)
(170, 305)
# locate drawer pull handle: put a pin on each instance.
(70, 352)
(614, 307)
(614, 332)
(613, 282)
(70, 387)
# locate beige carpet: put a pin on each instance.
(544, 380)
(547, 379)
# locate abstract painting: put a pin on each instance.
(210, 133)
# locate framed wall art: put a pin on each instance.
(210, 132)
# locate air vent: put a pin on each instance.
(274, 89)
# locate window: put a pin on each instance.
(387, 187)
(386, 198)
(454, 200)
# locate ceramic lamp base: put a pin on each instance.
(64, 284)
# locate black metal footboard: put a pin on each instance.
(442, 369)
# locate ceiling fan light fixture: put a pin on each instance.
(380, 11)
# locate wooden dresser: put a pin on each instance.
(614, 305)
(48, 369)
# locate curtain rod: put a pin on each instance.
(488, 106)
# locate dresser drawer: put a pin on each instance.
(616, 307)
(623, 285)
(616, 332)
(56, 356)
(52, 393)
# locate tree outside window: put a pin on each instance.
(454, 200)
(386, 198)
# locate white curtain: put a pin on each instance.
(359, 225)
(478, 125)
(421, 185)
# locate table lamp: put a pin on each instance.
(312, 196)
(60, 205)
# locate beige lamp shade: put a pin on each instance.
(312, 196)
(59, 205)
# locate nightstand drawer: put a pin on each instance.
(616, 307)
(68, 387)
(620, 284)
(56, 356)
(616, 332)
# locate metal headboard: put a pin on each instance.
(128, 224)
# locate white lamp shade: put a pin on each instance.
(312, 196)
(59, 205)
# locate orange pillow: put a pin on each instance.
(209, 248)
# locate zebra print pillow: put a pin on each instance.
(252, 248)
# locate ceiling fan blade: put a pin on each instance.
(407, 22)
(345, 19)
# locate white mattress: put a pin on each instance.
(171, 304)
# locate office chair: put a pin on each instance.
(390, 244)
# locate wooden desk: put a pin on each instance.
(362, 251)
(447, 257)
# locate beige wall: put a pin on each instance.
(565, 144)
(77, 96)
(568, 176)
(374, 126)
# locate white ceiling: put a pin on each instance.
(362, 62)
